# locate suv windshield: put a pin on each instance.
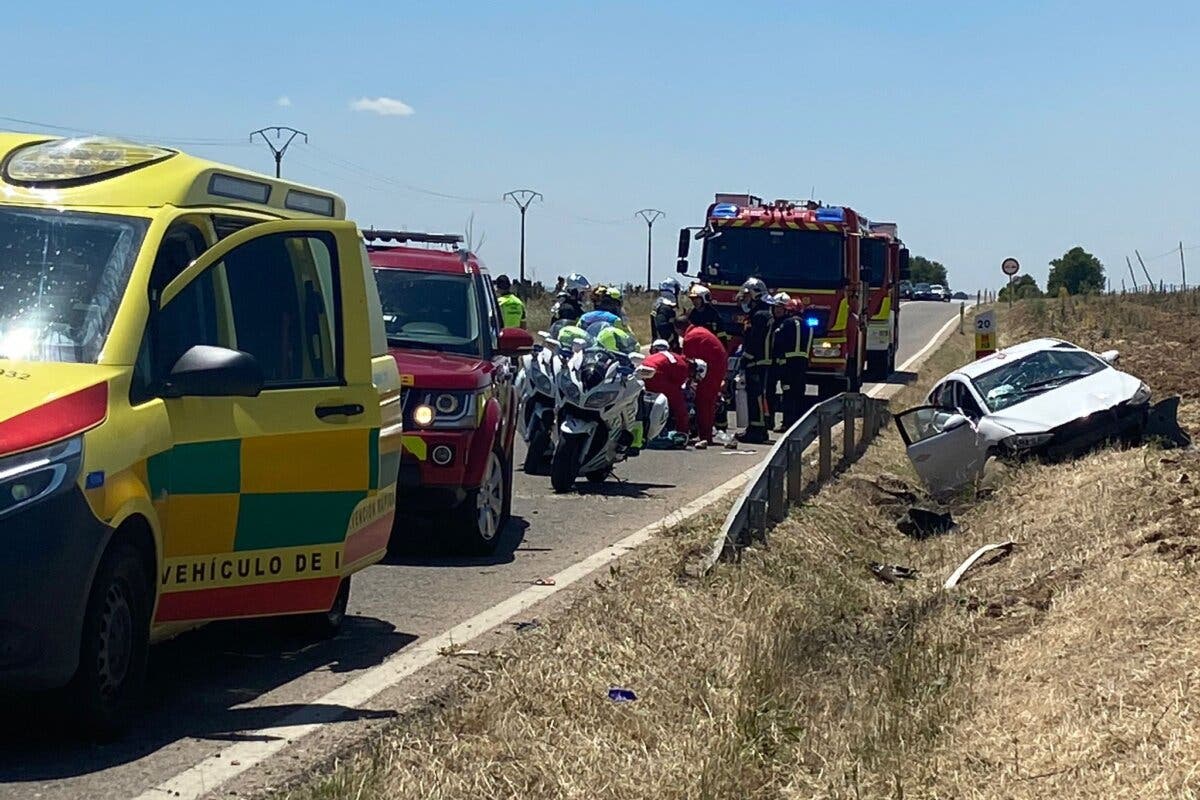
(1030, 376)
(62, 277)
(782, 258)
(431, 311)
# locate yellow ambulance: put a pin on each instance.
(199, 418)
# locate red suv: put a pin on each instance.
(444, 330)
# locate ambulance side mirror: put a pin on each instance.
(207, 371)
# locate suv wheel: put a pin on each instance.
(482, 515)
(115, 643)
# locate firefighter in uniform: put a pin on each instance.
(756, 302)
(705, 314)
(570, 298)
(774, 378)
(791, 348)
(662, 315)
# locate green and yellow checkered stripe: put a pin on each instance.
(264, 492)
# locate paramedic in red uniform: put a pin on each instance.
(701, 343)
(671, 372)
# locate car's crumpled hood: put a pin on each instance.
(1048, 410)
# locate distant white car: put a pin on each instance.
(1046, 398)
(939, 292)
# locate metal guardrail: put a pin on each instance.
(778, 479)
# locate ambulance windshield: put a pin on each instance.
(62, 277)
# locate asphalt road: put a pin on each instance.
(213, 687)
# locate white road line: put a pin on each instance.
(215, 770)
(261, 744)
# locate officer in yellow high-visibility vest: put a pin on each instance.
(512, 309)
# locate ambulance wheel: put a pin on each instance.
(116, 639)
(326, 624)
(480, 518)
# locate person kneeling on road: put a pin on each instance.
(700, 343)
(671, 372)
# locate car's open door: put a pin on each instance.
(943, 446)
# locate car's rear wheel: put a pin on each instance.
(115, 643)
(482, 515)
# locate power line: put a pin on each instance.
(169, 140)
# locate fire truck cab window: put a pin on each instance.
(781, 258)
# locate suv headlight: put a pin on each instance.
(29, 477)
(446, 409)
(1026, 441)
(1142, 395)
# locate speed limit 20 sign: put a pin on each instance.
(985, 333)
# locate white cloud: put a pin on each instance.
(284, 102)
(383, 106)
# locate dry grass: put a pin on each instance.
(1065, 670)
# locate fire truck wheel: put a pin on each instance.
(853, 376)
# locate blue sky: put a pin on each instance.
(985, 130)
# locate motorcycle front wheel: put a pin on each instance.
(564, 467)
(537, 454)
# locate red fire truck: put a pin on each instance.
(886, 259)
(809, 250)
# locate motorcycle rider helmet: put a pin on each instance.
(700, 293)
(699, 369)
(575, 286)
(752, 291)
(659, 345)
(573, 337)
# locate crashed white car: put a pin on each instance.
(1045, 398)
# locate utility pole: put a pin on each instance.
(1182, 267)
(279, 131)
(650, 215)
(1129, 264)
(1149, 280)
(523, 198)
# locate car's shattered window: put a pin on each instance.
(1034, 374)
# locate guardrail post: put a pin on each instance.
(868, 425)
(848, 444)
(758, 519)
(825, 430)
(795, 459)
(776, 504)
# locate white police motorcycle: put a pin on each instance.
(604, 413)
(536, 387)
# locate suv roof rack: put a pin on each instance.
(403, 237)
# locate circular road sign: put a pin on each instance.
(1010, 266)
